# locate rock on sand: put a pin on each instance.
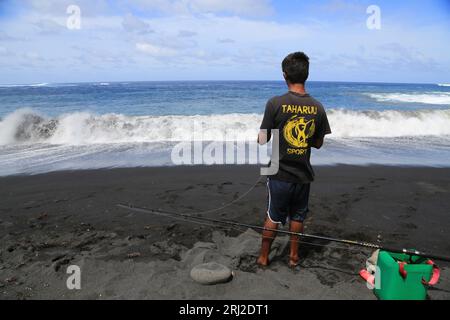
(210, 273)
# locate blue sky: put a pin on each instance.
(223, 40)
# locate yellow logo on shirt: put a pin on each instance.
(297, 131)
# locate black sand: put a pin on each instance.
(51, 221)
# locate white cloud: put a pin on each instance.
(240, 7)
(346, 6)
(187, 7)
(186, 33)
(48, 26)
(3, 51)
(154, 50)
(225, 40)
(133, 24)
(210, 27)
(59, 7)
(6, 37)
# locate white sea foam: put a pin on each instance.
(82, 128)
(439, 98)
(389, 123)
(43, 84)
(443, 84)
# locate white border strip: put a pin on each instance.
(268, 205)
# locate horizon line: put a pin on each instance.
(215, 80)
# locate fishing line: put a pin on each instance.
(233, 201)
(187, 220)
(302, 265)
(310, 236)
(241, 229)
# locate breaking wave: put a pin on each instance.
(439, 98)
(81, 128)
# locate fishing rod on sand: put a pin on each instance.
(198, 219)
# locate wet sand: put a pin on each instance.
(53, 220)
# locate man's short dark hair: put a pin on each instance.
(296, 67)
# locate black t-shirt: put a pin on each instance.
(300, 120)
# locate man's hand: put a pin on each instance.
(263, 138)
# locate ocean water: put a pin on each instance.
(47, 127)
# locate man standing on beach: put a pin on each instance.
(302, 123)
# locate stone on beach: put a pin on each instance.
(211, 273)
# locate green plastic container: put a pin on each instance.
(391, 285)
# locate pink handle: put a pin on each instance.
(434, 277)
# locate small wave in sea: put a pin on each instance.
(437, 98)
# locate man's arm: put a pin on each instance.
(317, 143)
(266, 125)
(323, 128)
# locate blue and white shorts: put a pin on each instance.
(287, 200)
